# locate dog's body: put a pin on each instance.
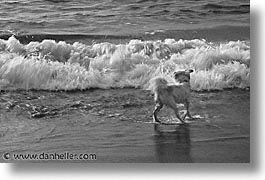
(171, 95)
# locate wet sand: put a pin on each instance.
(115, 124)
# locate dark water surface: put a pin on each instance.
(116, 125)
(118, 17)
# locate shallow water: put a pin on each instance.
(116, 125)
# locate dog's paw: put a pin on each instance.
(157, 122)
(183, 121)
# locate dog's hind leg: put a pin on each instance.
(187, 105)
(157, 109)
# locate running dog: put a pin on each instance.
(171, 95)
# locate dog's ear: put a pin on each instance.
(176, 73)
(191, 70)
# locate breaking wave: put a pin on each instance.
(51, 65)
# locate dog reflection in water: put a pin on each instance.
(173, 145)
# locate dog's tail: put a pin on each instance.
(157, 83)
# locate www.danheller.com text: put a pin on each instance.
(49, 156)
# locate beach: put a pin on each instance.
(117, 126)
(75, 81)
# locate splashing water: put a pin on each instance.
(50, 65)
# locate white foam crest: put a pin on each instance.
(62, 66)
(221, 76)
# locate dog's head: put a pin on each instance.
(183, 76)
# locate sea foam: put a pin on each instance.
(50, 65)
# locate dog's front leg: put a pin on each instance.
(173, 106)
(187, 104)
(157, 109)
(178, 116)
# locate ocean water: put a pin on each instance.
(50, 65)
(118, 17)
(36, 53)
(75, 76)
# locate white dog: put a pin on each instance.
(171, 95)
